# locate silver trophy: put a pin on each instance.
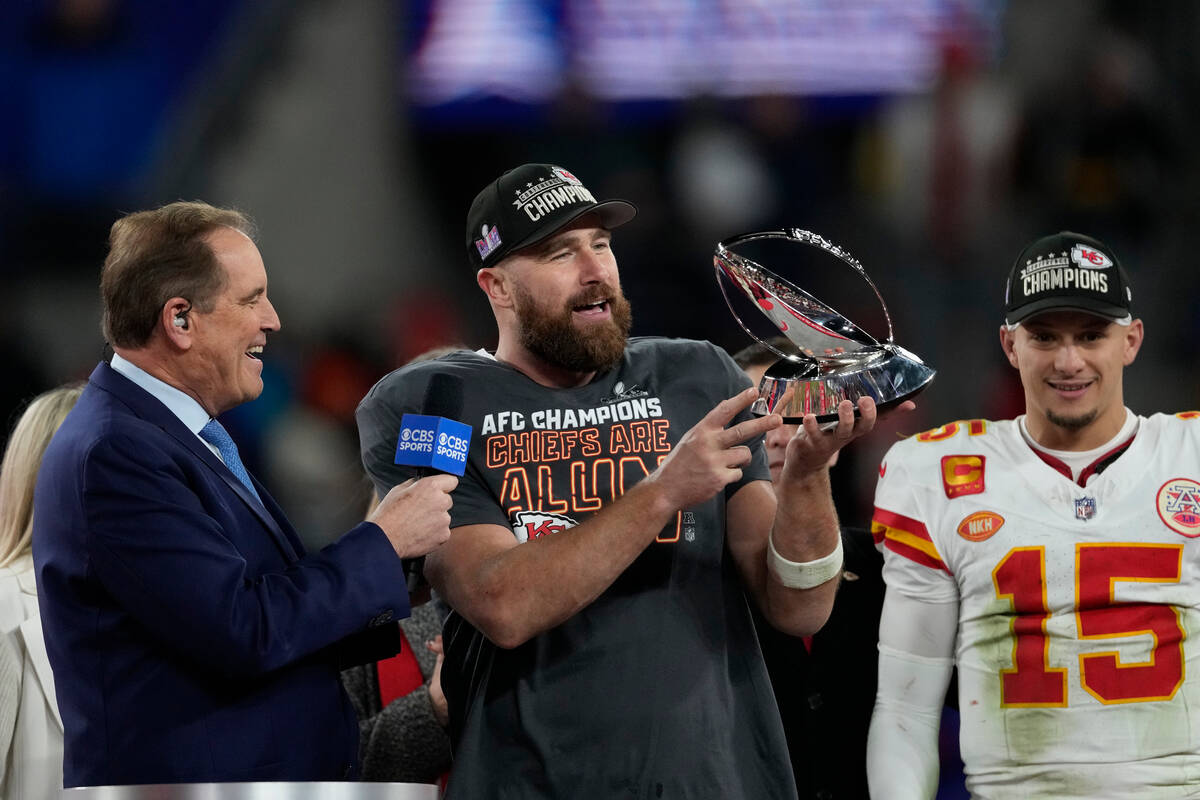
(838, 360)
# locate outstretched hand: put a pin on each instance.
(811, 448)
(711, 456)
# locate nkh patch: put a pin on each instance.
(980, 526)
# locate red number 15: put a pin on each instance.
(1021, 577)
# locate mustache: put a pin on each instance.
(595, 294)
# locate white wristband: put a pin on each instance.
(804, 574)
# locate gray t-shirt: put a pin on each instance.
(655, 690)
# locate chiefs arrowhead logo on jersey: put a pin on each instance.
(529, 525)
(1179, 506)
(980, 525)
(882, 468)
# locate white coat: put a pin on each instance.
(31, 731)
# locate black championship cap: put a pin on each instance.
(528, 204)
(1067, 272)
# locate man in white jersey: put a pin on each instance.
(1053, 558)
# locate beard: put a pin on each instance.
(553, 336)
(1072, 423)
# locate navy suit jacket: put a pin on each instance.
(191, 637)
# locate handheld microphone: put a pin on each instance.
(434, 441)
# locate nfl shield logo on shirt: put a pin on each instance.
(1085, 508)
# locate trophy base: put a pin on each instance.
(800, 385)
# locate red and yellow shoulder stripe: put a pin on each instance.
(907, 537)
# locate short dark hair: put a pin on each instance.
(757, 354)
(156, 255)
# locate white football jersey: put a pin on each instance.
(1078, 647)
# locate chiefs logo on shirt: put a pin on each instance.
(529, 525)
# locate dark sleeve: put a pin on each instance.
(861, 555)
(378, 417)
(171, 565)
(403, 742)
(373, 644)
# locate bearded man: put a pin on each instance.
(615, 516)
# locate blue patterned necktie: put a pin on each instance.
(215, 434)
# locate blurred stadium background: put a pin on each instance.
(932, 138)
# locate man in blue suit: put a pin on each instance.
(192, 638)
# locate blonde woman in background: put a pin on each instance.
(31, 732)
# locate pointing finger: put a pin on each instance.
(726, 410)
(748, 429)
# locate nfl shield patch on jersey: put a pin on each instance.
(1085, 508)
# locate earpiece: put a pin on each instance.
(180, 321)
